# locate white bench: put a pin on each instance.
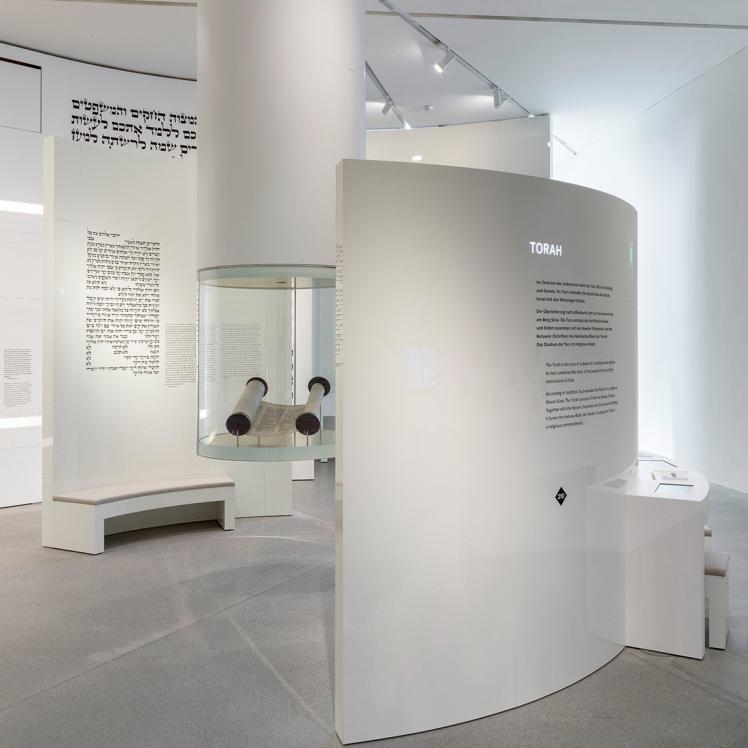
(76, 522)
(716, 567)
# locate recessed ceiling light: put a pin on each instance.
(429, 108)
(417, 157)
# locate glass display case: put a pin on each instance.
(266, 362)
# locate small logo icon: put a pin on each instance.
(561, 496)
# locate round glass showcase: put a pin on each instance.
(266, 362)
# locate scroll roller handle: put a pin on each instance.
(308, 421)
(241, 419)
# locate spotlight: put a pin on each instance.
(440, 67)
(530, 115)
(387, 106)
(499, 97)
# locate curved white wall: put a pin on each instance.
(280, 102)
(37, 99)
(463, 587)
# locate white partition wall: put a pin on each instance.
(520, 146)
(486, 378)
(20, 283)
(120, 348)
(20, 311)
(45, 95)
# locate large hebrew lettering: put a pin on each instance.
(118, 127)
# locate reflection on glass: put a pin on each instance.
(266, 362)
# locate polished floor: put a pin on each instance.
(188, 636)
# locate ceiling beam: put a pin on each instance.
(481, 16)
(549, 19)
(178, 3)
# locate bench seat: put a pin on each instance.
(107, 494)
(76, 520)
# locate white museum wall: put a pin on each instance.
(37, 102)
(514, 145)
(20, 284)
(21, 110)
(32, 96)
(64, 80)
(474, 379)
(684, 166)
(105, 423)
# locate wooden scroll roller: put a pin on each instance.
(308, 422)
(241, 419)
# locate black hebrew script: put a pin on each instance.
(134, 128)
(122, 303)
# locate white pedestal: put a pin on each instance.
(664, 556)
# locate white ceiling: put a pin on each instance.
(592, 76)
(147, 38)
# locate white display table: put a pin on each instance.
(666, 509)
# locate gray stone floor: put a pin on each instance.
(188, 636)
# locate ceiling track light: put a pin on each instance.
(452, 55)
(499, 97)
(389, 102)
(405, 124)
(441, 66)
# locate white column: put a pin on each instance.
(280, 102)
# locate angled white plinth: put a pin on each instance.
(664, 554)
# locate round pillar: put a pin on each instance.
(280, 102)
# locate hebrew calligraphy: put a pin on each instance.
(122, 303)
(134, 128)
